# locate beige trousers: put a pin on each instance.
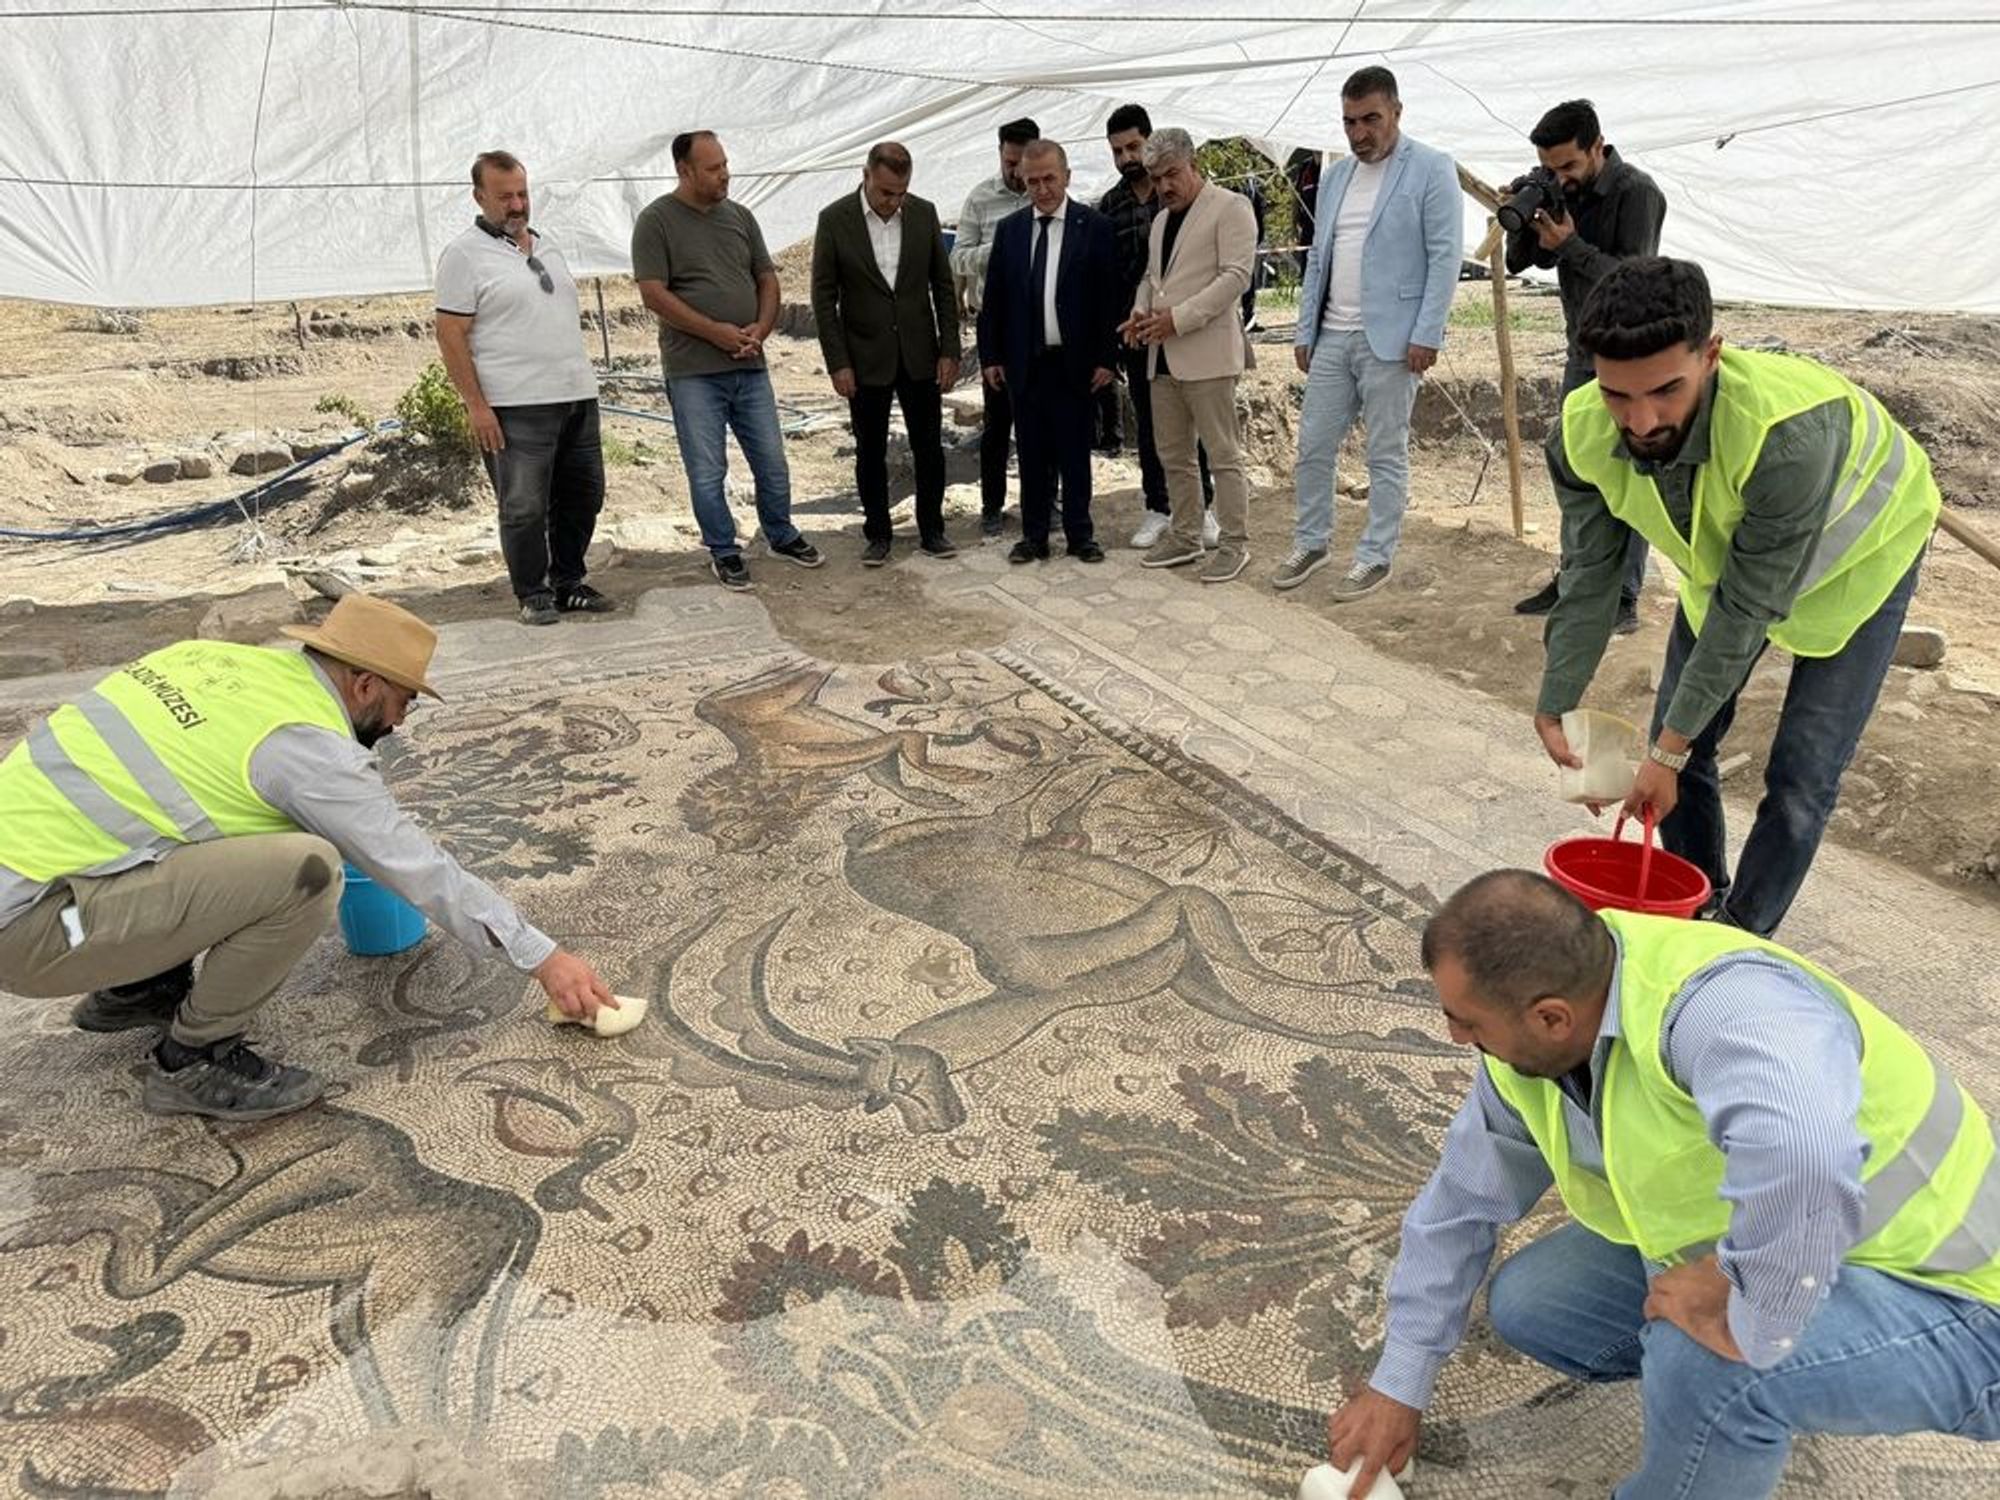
(253, 905)
(1187, 410)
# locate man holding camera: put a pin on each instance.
(1581, 212)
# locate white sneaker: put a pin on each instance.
(1151, 529)
(1210, 532)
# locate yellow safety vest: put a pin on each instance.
(1885, 501)
(158, 750)
(1932, 1185)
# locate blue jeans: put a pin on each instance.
(1880, 1356)
(1826, 707)
(1347, 381)
(707, 408)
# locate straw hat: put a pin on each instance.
(375, 636)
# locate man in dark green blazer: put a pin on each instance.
(888, 324)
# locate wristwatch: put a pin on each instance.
(1668, 758)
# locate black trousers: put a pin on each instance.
(550, 480)
(923, 415)
(1152, 478)
(1053, 417)
(993, 440)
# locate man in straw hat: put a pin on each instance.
(200, 801)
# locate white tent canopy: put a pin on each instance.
(1832, 152)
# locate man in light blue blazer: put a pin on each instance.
(1372, 309)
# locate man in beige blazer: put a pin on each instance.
(1198, 267)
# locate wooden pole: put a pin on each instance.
(603, 323)
(1984, 545)
(1510, 415)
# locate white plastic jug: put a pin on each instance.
(1328, 1483)
(1609, 748)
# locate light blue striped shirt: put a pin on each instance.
(1774, 1065)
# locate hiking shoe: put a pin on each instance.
(1152, 527)
(937, 546)
(992, 525)
(225, 1081)
(730, 571)
(1627, 622)
(1225, 562)
(1542, 600)
(582, 599)
(1299, 566)
(539, 609)
(1086, 552)
(875, 554)
(800, 551)
(144, 1002)
(1360, 580)
(1170, 552)
(1025, 551)
(1211, 534)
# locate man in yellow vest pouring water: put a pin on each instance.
(1786, 1212)
(199, 802)
(1796, 511)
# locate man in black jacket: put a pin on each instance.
(888, 325)
(1048, 335)
(1611, 212)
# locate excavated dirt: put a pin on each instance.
(87, 395)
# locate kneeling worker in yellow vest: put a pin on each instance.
(199, 801)
(1787, 1214)
(1796, 512)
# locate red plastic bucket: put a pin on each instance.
(1609, 872)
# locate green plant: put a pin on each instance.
(620, 454)
(1477, 312)
(431, 408)
(338, 404)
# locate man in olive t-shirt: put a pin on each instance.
(702, 268)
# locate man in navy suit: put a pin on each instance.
(1048, 334)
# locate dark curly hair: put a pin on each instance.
(1520, 938)
(1645, 305)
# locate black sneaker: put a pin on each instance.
(1025, 551)
(937, 546)
(800, 551)
(730, 572)
(1628, 618)
(875, 554)
(1542, 600)
(539, 609)
(1086, 552)
(992, 525)
(144, 1002)
(224, 1081)
(582, 599)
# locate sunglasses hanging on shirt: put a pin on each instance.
(488, 226)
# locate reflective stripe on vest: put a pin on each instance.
(157, 753)
(1931, 1180)
(1877, 522)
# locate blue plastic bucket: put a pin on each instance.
(375, 920)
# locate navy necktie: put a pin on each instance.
(1038, 275)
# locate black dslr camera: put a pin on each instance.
(1538, 190)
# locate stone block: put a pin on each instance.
(260, 458)
(161, 471)
(1920, 646)
(194, 465)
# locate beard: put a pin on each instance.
(1132, 171)
(370, 731)
(1657, 447)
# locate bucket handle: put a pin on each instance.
(1645, 854)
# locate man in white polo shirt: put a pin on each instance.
(509, 327)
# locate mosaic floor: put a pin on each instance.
(1037, 1067)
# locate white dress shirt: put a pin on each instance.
(1051, 327)
(886, 238)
